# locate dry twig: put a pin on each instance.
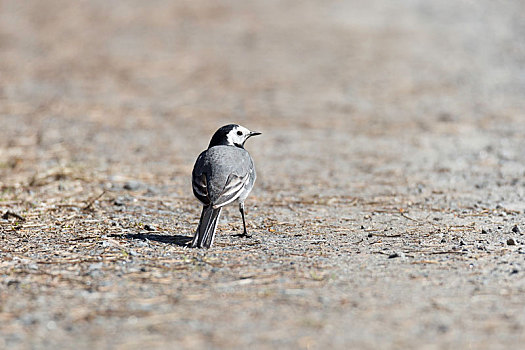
(91, 201)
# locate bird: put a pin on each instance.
(222, 174)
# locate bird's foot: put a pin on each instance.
(243, 235)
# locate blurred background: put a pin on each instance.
(404, 117)
(163, 75)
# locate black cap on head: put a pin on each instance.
(220, 137)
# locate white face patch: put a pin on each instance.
(238, 135)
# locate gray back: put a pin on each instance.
(220, 165)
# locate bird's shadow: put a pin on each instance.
(166, 239)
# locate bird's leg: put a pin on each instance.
(241, 209)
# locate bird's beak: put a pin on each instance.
(254, 133)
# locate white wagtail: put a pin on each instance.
(222, 174)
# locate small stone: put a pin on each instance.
(95, 266)
(13, 283)
(95, 273)
(445, 117)
(516, 229)
(393, 255)
(151, 191)
(132, 185)
(511, 241)
(484, 232)
(118, 202)
(143, 243)
(28, 319)
(148, 227)
(442, 328)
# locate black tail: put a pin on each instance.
(206, 229)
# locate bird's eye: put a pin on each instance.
(239, 133)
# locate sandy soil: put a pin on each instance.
(389, 209)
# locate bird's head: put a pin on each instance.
(232, 135)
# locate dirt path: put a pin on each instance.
(389, 210)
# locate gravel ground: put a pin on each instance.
(389, 210)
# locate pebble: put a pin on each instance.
(13, 283)
(143, 243)
(516, 229)
(443, 328)
(28, 319)
(148, 227)
(484, 232)
(132, 185)
(151, 191)
(95, 266)
(511, 241)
